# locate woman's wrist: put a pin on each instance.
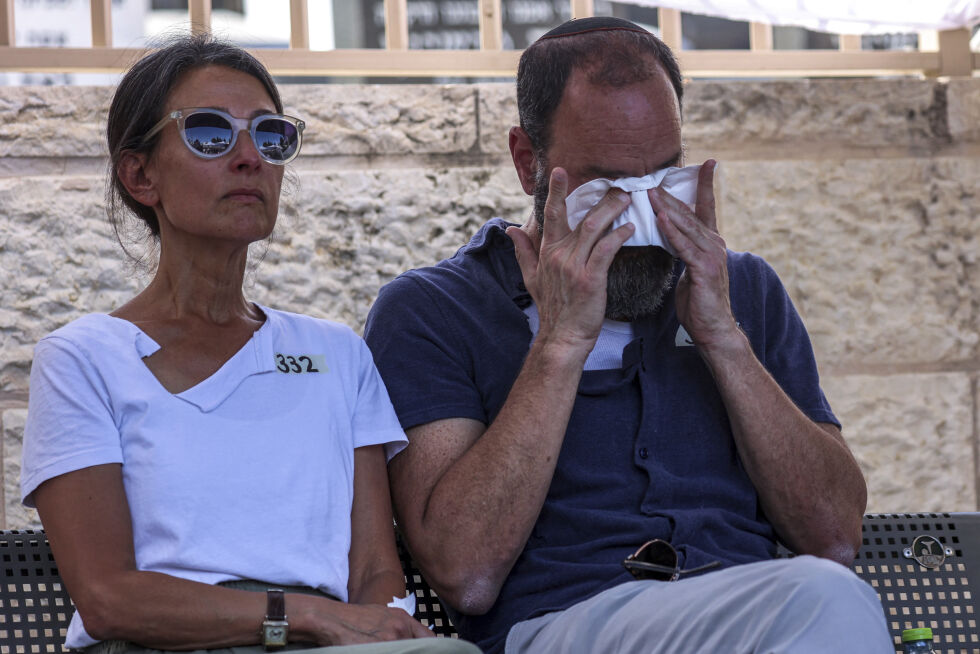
(305, 616)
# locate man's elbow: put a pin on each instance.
(841, 551)
(469, 591)
(841, 545)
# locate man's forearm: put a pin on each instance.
(469, 497)
(809, 484)
(482, 508)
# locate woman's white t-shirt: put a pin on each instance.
(247, 475)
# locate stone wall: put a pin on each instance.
(863, 194)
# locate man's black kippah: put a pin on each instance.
(592, 24)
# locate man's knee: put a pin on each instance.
(823, 586)
(821, 577)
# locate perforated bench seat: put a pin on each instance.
(930, 581)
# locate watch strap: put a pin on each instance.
(275, 607)
(275, 629)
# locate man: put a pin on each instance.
(544, 453)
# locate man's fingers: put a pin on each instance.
(555, 215)
(685, 232)
(704, 207)
(608, 246)
(527, 256)
(597, 222)
(419, 630)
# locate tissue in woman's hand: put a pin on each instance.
(682, 183)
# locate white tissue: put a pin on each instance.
(407, 604)
(682, 183)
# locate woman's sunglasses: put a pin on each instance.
(210, 133)
(657, 559)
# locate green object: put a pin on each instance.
(922, 633)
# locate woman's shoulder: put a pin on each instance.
(304, 326)
(93, 328)
(95, 337)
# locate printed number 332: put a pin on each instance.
(288, 363)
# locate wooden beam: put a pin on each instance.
(955, 58)
(353, 62)
(69, 60)
(491, 25)
(299, 25)
(670, 28)
(500, 63)
(760, 36)
(392, 63)
(101, 11)
(849, 42)
(7, 35)
(200, 15)
(804, 63)
(396, 24)
(582, 8)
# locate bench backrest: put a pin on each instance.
(35, 607)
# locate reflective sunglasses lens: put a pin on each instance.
(207, 133)
(276, 139)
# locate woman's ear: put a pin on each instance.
(132, 172)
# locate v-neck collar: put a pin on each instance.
(256, 356)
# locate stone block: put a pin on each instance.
(341, 235)
(16, 515)
(912, 434)
(880, 256)
(53, 121)
(341, 119)
(59, 261)
(355, 119)
(963, 109)
(498, 113)
(819, 113)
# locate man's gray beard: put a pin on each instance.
(639, 277)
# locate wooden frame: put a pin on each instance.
(952, 57)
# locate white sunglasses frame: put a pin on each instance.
(237, 125)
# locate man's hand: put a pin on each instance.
(809, 484)
(703, 303)
(567, 275)
(467, 495)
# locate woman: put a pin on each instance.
(191, 440)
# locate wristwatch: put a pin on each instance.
(275, 629)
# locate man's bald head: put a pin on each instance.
(610, 51)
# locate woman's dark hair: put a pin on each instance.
(139, 102)
(612, 57)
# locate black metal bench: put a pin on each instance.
(934, 586)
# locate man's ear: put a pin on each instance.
(525, 162)
(132, 172)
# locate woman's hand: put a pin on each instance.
(348, 624)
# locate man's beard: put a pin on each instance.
(639, 277)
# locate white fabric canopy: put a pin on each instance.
(838, 16)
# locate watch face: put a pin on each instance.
(274, 635)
